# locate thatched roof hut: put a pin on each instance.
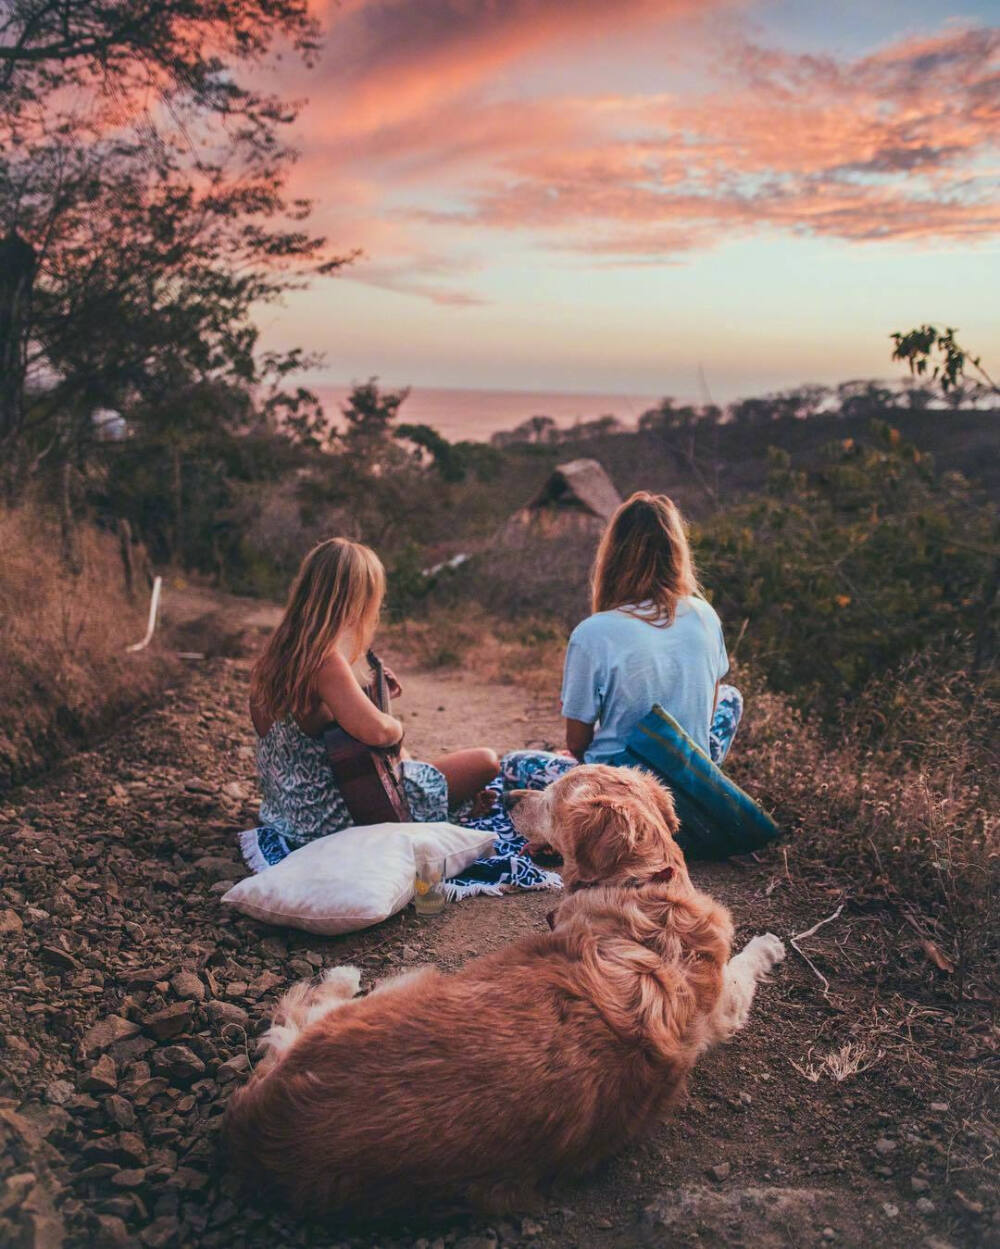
(578, 497)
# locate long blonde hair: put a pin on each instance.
(338, 589)
(644, 557)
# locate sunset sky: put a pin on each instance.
(594, 196)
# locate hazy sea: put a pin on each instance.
(477, 414)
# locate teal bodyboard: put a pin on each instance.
(718, 819)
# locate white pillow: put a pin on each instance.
(357, 877)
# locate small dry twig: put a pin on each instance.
(801, 936)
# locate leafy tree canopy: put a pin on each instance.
(132, 49)
(928, 347)
(145, 182)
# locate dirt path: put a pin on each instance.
(129, 996)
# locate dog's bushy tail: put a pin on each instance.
(301, 1006)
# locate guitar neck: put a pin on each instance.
(378, 692)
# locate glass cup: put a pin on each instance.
(428, 891)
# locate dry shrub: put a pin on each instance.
(277, 532)
(66, 675)
(541, 578)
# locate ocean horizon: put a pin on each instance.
(459, 414)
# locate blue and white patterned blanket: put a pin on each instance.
(508, 867)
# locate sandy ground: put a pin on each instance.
(130, 999)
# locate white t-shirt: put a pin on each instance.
(618, 665)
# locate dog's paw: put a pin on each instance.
(346, 978)
(766, 950)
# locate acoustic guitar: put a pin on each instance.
(369, 777)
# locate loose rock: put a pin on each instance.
(106, 1032)
(132, 1178)
(232, 1069)
(161, 1233)
(214, 868)
(59, 1092)
(131, 1148)
(111, 1233)
(178, 1062)
(186, 984)
(102, 1077)
(169, 1022)
(10, 923)
(222, 1013)
(120, 1111)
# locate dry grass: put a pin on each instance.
(66, 675)
(852, 1059)
(911, 816)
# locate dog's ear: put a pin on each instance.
(599, 831)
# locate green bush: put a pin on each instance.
(841, 573)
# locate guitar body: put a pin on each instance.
(370, 778)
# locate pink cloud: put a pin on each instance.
(424, 111)
(389, 61)
(430, 277)
(884, 147)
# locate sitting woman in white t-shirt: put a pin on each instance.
(652, 638)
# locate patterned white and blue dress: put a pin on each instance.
(300, 800)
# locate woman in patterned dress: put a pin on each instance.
(305, 680)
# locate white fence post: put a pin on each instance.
(154, 607)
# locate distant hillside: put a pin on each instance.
(733, 457)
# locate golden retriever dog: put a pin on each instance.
(533, 1063)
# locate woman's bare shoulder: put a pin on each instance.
(335, 678)
(335, 666)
